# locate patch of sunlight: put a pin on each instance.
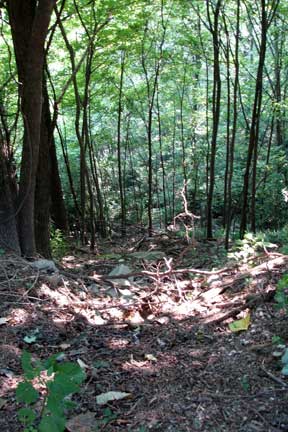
(18, 316)
(59, 298)
(145, 366)
(118, 343)
(91, 316)
(185, 309)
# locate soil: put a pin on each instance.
(161, 335)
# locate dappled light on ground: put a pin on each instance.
(154, 327)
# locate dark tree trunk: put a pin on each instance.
(58, 209)
(119, 158)
(29, 22)
(43, 189)
(8, 230)
(266, 19)
(214, 29)
(231, 143)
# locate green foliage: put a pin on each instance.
(280, 237)
(59, 244)
(61, 380)
(249, 246)
(281, 296)
(276, 340)
(245, 383)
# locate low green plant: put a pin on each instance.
(281, 296)
(60, 381)
(280, 237)
(277, 340)
(245, 383)
(58, 243)
(249, 246)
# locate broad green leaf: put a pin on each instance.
(55, 403)
(26, 393)
(27, 365)
(71, 370)
(50, 362)
(26, 416)
(61, 387)
(30, 372)
(50, 423)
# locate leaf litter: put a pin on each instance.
(172, 337)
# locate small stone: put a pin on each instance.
(44, 265)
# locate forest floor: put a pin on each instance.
(157, 329)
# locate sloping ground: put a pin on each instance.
(156, 328)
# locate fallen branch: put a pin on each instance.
(161, 275)
(248, 303)
(145, 273)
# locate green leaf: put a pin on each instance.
(240, 325)
(51, 363)
(62, 386)
(30, 372)
(52, 424)
(69, 404)
(55, 405)
(27, 365)
(26, 416)
(26, 393)
(71, 370)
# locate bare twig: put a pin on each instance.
(273, 377)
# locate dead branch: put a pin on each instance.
(187, 218)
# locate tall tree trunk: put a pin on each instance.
(231, 143)
(119, 159)
(43, 180)
(8, 230)
(267, 15)
(214, 29)
(29, 22)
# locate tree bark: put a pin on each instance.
(8, 230)
(29, 22)
(266, 19)
(214, 29)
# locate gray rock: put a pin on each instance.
(44, 265)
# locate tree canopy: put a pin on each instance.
(109, 108)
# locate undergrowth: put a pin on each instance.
(59, 381)
(59, 244)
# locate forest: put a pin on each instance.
(143, 211)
